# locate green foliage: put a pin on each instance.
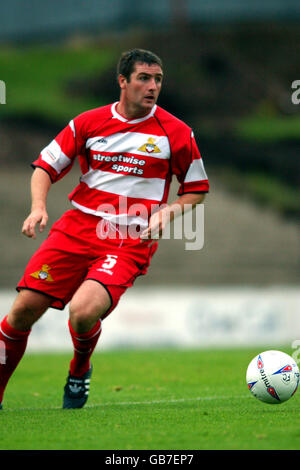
(277, 195)
(268, 128)
(37, 79)
(265, 189)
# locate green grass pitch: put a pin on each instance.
(146, 400)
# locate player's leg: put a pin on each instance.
(89, 303)
(106, 281)
(15, 328)
(27, 308)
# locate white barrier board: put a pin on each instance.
(187, 318)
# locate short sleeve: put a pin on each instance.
(189, 168)
(58, 157)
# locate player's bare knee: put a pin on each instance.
(28, 307)
(83, 316)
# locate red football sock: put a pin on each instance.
(84, 345)
(12, 347)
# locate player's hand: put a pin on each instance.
(157, 223)
(37, 216)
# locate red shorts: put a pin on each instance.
(73, 252)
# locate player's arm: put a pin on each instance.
(159, 220)
(40, 185)
(53, 163)
(187, 165)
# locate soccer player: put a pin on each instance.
(128, 152)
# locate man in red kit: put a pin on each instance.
(128, 152)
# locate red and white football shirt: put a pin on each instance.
(127, 165)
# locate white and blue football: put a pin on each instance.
(272, 377)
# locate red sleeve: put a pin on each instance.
(188, 166)
(58, 157)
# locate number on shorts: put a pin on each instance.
(110, 261)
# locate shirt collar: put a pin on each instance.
(118, 116)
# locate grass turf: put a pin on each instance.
(150, 400)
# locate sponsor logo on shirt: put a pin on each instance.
(122, 159)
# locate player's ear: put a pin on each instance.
(122, 81)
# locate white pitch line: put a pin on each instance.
(158, 402)
(136, 403)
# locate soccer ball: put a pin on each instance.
(273, 377)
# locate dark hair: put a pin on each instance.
(130, 58)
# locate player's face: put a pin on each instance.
(140, 93)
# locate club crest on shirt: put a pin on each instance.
(43, 274)
(150, 146)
